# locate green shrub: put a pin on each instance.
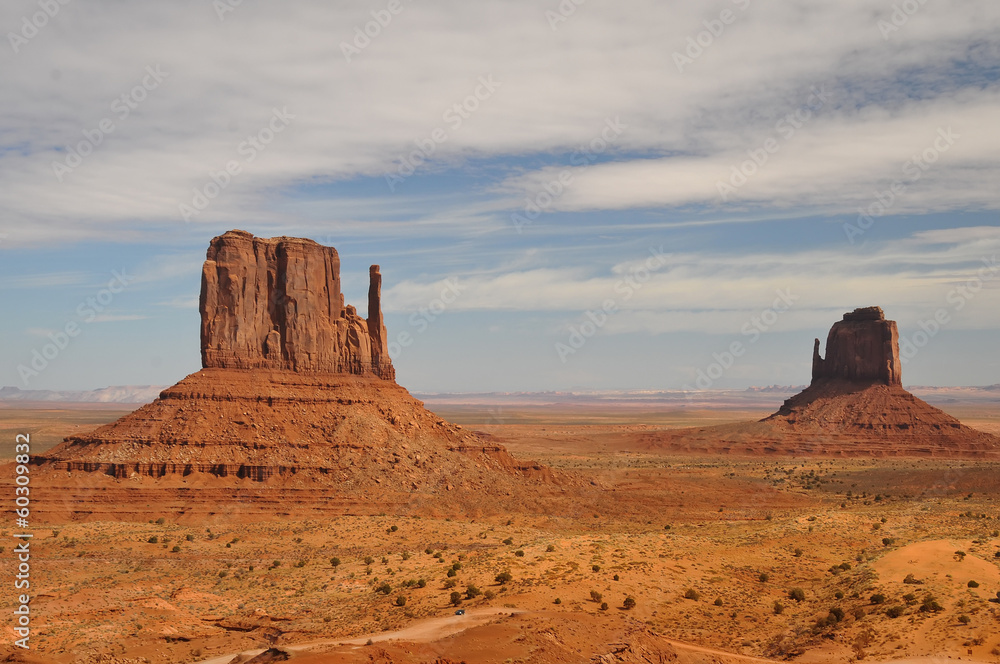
(778, 608)
(384, 588)
(895, 611)
(456, 598)
(629, 603)
(878, 598)
(503, 578)
(335, 561)
(596, 596)
(797, 594)
(691, 593)
(472, 592)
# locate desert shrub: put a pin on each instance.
(691, 593)
(912, 579)
(452, 572)
(839, 594)
(509, 541)
(960, 555)
(472, 592)
(666, 527)
(615, 577)
(421, 583)
(629, 603)
(910, 598)
(930, 605)
(557, 601)
(428, 551)
(888, 541)
(450, 583)
(153, 540)
(369, 560)
(604, 606)
(763, 577)
(394, 529)
(384, 588)
(335, 561)
(550, 548)
(161, 521)
(596, 596)
(189, 537)
(455, 598)
(503, 578)
(176, 548)
(797, 594)
(964, 619)
(223, 574)
(973, 584)
(878, 598)
(519, 553)
(300, 563)
(718, 601)
(596, 568)
(798, 553)
(405, 555)
(400, 599)
(778, 608)
(489, 594)
(837, 614)
(895, 611)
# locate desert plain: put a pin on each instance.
(665, 555)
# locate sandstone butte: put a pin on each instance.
(854, 406)
(296, 390)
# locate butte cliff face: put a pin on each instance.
(863, 347)
(296, 387)
(277, 304)
(854, 406)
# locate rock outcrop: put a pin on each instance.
(296, 390)
(277, 304)
(855, 406)
(863, 347)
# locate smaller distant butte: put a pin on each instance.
(854, 406)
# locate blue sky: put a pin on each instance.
(546, 169)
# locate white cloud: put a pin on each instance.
(557, 89)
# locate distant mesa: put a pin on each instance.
(854, 406)
(295, 386)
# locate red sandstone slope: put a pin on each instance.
(855, 406)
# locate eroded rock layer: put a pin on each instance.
(358, 432)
